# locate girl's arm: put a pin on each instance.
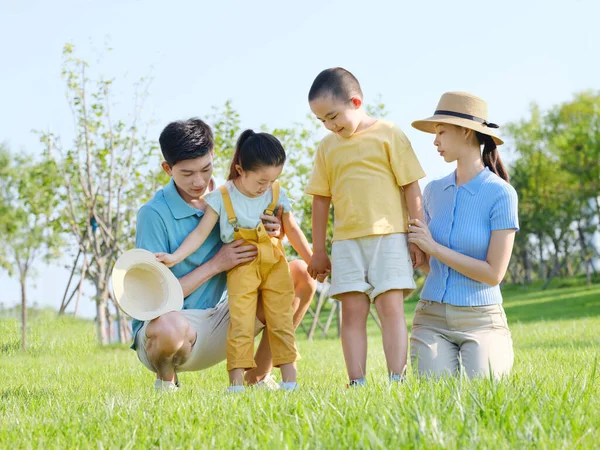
(491, 271)
(296, 237)
(193, 241)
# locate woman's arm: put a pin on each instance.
(491, 271)
(296, 237)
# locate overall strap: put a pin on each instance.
(271, 208)
(228, 205)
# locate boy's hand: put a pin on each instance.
(320, 265)
(417, 255)
(166, 258)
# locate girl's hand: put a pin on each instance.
(167, 259)
(320, 265)
(418, 233)
(273, 223)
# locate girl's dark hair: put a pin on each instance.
(491, 156)
(255, 150)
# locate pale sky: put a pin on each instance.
(264, 55)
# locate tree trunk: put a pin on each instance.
(101, 320)
(110, 323)
(542, 263)
(23, 314)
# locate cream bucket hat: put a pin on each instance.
(462, 109)
(143, 287)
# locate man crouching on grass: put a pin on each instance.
(195, 338)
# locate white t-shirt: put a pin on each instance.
(247, 210)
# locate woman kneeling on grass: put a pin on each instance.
(471, 219)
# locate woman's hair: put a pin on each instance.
(256, 150)
(491, 156)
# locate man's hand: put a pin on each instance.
(234, 254)
(320, 265)
(167, 259)
(273, 223)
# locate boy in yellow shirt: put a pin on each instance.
(370, 172)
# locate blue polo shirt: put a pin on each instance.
(162, 225)
(463, 218)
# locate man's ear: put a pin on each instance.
(167, 168)
(356, 101)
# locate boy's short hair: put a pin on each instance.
(338, 82)
(185, 139)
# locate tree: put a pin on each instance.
(29, 226)
(107, 173)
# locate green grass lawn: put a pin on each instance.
(65, 392)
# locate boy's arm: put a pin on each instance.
(414, 200)
(296, 237)
(320, 263)
(193, 241)
(414, 204)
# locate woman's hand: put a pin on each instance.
(418, 233)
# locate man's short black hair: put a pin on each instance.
(185, 139)
(338, 82)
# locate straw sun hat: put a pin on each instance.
(145, 288)
(462, 109)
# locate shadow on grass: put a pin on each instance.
(558, 304)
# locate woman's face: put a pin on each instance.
(450, 141)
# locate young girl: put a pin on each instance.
(252, 190)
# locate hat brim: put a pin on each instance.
(428, 125)
(171, 289)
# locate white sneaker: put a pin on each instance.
(235, 389)
(289, 386)
(268, 383)
(165, 386)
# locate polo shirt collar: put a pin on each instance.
(179, 208)
(473, 186)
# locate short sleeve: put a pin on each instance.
(151, 232)
(284, 201)
(505, 211)
(404, 162)
(426, 194)
(319, 181)
(214, 199)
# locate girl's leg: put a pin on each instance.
(355, 310)
(390, 309)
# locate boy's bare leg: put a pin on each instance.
(304, 288)
(355, 310)
(390, 309)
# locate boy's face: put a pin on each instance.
(340, 117)
(191, 176)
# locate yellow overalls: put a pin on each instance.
(270, 274)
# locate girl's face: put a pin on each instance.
(254, 183)
(450, 141)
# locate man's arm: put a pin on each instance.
(229, 256)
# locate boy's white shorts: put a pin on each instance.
(372, 265)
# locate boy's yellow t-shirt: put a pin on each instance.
(363, 175)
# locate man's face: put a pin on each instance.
(191, 176)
